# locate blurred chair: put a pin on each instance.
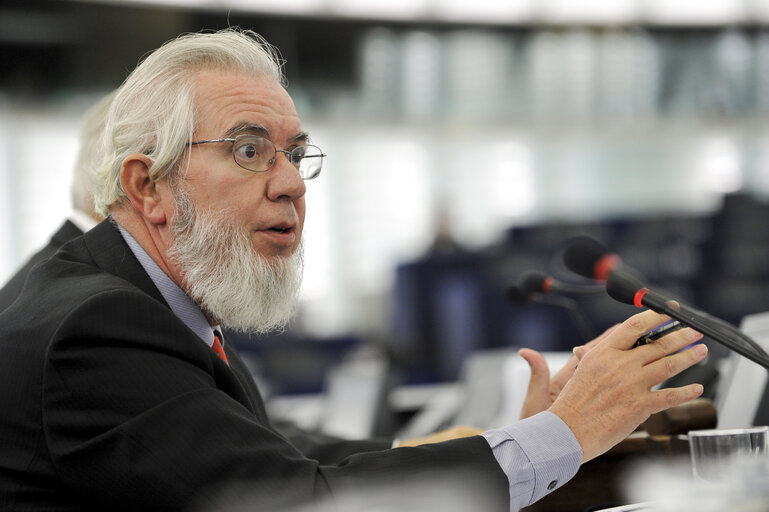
(355, 404)
(741, 399)
(516, 374)
(489, 393)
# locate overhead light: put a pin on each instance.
(386, 9)
(759, 10)
(166, 3)
(598, 12)
(268, 6)
(513, 193)
(275, 6)
(483, 11)
(601, 12)
(720, 167)
(694, 12)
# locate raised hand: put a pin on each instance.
(610, 392)
(543, 390)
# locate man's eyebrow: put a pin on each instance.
(256, 129)
(247, 128)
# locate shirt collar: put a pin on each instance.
(181, 303)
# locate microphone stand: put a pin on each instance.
(576, 315)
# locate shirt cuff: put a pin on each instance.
(538, 454)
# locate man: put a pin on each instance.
(83, 216)
(117, 392)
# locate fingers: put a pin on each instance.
(540, 371)
(539, 383)
(668, 344)
(665, 367)
(626, 334)
(671, 397)
(581, 350)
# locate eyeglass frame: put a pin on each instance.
(274, 159)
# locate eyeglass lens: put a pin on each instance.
(258, 154)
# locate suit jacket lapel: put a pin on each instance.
(246, 381)
(111, 253)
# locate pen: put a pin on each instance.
(658, 332)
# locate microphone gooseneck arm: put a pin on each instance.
(629, 290)
(576, 315)
(536, 286)
(589, 258)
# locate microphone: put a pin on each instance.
(535, 286)
(539, 282)
(534, 283)
(589, 258)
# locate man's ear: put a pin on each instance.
(141, 190)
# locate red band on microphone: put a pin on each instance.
(548, 282)
(639, 296)
(604, 266)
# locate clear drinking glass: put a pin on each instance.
(717, 455)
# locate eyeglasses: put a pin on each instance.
(257, 154)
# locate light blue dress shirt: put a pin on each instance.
(538, 454)
(181, 304)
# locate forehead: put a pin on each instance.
(227, 100)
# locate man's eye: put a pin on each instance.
(298, 153)
(247, 151)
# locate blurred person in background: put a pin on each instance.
(117, 388)
(83, 216)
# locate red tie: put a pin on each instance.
(219, 349)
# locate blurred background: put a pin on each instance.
(467, 142)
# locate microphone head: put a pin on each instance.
(622, 287)
(589, 258)
(530, 283)
(534, 281)
(517, 295)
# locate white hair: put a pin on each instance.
(154, 113)
(225, 275)
(91, 151)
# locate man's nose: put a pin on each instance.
(284, 181)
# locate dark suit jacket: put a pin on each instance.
(13, 287)
(109, 402)
(312, 444)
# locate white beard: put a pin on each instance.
(225, 276)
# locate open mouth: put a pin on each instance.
(280, 230)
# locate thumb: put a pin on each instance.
(537, 395)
